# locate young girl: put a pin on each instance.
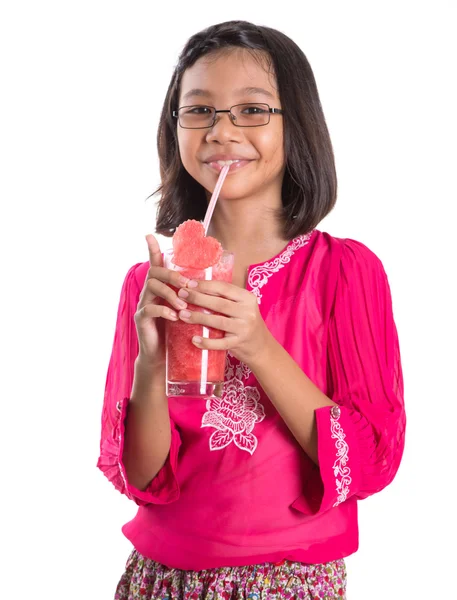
(252, 495)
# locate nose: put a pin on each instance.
(223, 130)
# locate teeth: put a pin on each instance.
(227, 162)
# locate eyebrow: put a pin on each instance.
(250, 91)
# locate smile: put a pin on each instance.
(235, 165)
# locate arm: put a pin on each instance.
(134, 403)
(356, 435)
(147, 431)
(287, 386)
(360, 444)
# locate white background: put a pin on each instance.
(82, 84)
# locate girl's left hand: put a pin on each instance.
(246, 333)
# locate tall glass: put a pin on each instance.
(191, 371)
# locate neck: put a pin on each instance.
(248, 228)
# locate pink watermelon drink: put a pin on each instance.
(191, 371)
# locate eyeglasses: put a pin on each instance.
(251, 114)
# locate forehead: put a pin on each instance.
(227, 76)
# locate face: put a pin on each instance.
(222, 81)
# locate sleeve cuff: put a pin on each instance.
(338, 475)
(163, 489)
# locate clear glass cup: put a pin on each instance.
(191, 371)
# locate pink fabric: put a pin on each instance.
(237, 489)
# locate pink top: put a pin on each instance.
(237, 489)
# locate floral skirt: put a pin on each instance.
(145, 579)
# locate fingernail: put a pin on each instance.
(183, 280)
(183, 293)
(192, 284)
(173, 315)
(197, 340)
(181, 304)
(185, 314)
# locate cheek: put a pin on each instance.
(186, 145)
(271, 146)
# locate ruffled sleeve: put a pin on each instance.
(164, 488)
(360, 441)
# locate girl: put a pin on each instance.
(253, 495)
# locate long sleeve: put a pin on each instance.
(360, 441)
(164, 487)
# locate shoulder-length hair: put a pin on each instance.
(310, 184)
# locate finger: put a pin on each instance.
(225, 343)
(154, 289)
(173, 278)
(221, 288)
(155, 311)
(214, 321)
(155, 255)
(214, 303)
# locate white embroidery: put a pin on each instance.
(235, 414)
(339, 468)
(259, 275)
(119, 407)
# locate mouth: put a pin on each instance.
(235, 165)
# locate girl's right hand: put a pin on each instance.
(151, 309)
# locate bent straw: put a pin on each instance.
(214, 197)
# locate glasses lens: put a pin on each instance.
(194, 117)
(251, 115)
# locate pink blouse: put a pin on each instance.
(237, 489)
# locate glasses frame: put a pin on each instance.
(271, 111)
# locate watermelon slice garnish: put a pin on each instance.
(192, 249)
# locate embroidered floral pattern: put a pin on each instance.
(259, 275)
(340, 468)
(236, 413)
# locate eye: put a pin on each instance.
(254, 109)
(198, 110)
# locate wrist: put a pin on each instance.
(263, 357)
(143, 361)
(151, 374)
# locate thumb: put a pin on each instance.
(155, 255)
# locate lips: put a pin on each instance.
(217, 162)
